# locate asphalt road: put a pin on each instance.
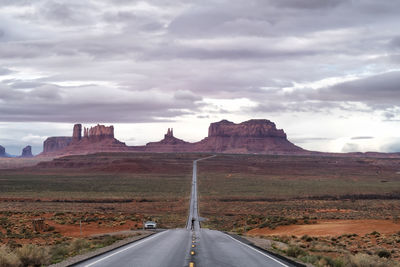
(191, 246)
(168, 248)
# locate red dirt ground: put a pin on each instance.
(331, 228)
(89, 229)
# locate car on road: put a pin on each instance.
(150, 225)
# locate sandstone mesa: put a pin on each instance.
(253, 136)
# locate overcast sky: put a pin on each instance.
(327, 72)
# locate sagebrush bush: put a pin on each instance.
(364, 260)
(8, 258)
(59, 253)
(383, 253)
(31, 255)
(78, 245)
(295, 251)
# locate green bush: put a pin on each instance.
(383, 253)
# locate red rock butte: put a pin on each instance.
(253, 136)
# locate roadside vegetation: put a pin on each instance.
(35, 255)
(247, 194)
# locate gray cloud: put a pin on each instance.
(5, 71)
(382, 89)
(351, 147)
(392, 147)
(139, 61)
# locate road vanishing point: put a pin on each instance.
(187, 247)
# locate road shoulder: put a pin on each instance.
(83, 257)
(264, 245)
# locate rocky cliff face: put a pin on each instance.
(2, 151)
(27, 152)
(251, 128)
(99, 132)
(53, 144)
(99, 138)
(253, 136)
(77, 133)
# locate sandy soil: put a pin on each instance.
(90, 229)
(332, 228)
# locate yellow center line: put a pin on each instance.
(192, 252)
(191, 264)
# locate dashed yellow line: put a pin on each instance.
(191, 264)
(192, 252)
(193, 246)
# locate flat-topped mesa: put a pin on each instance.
(99, 132)
(253, 136)
(56, 143)
(2, 151)
(27, 152)
(250, 128)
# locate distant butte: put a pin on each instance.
(2, 152)
(253, 136)
(27, 152)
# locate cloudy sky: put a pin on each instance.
(327, 72)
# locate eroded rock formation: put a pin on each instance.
(169, 144)
(253, 136)
(53, 144)
(2, 151)
(77, 133)
(251, 128)
(99, 132)
(27, 152)
(99, 138)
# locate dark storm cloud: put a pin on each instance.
(377, 90)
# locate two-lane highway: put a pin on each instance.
(168, 248)
(191, 247)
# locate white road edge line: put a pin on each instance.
(122, 250)
(266, 255)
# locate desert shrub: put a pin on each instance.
(307, 238)
(50, 228)
(31, 255)
(8, 258)
(78, 245)
(364, 260)
(383, 253)
(59, 253)
(375, 233)
(295, 251)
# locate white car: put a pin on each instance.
(150, 225)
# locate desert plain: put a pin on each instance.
(319, 210)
